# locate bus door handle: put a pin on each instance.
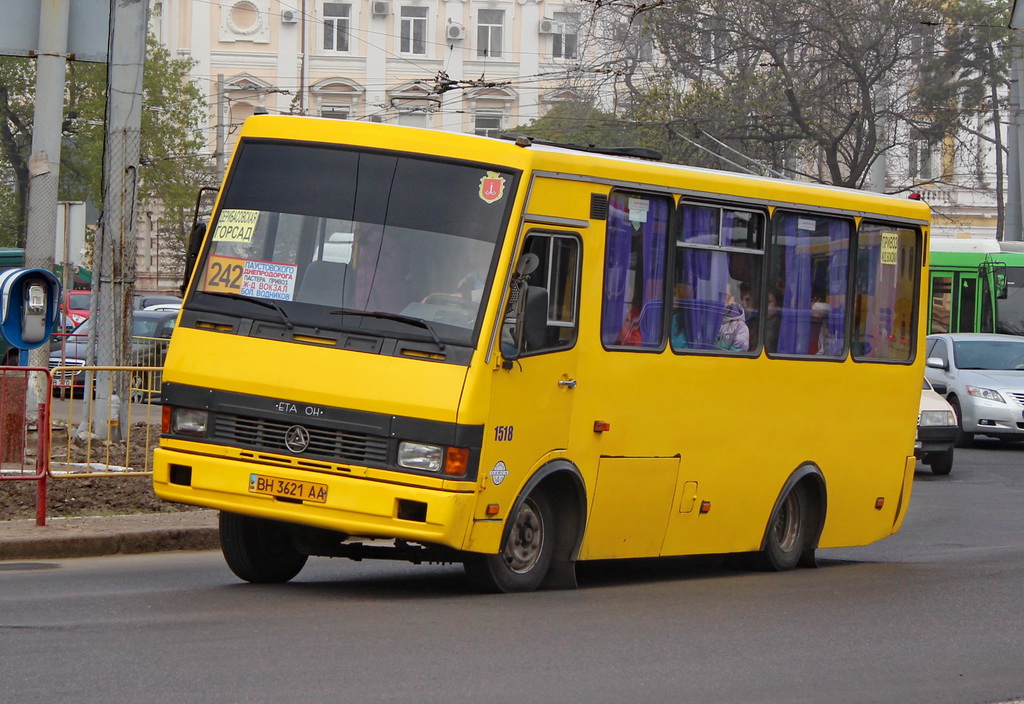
(567, 383)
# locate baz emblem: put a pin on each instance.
(296, 439)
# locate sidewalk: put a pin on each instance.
(93, 536)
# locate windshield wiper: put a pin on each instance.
(258, 301)
(381, 315)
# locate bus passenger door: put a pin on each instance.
(531, 402)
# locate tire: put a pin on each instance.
(941, 462)
(962, 439)
(787, 533)
(258, 550)
(525, 556)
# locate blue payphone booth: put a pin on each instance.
(29, 308)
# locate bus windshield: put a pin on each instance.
(338, 238)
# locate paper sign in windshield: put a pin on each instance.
(236, 226)
(269, 280)
(890, 247)
(245, 277)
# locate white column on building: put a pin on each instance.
(289, 59)
(530, 14)
(378, 42)
(452, 118)
(199, 44)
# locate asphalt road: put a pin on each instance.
(932, 615)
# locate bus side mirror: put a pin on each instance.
(528, 325)
(195, 242)
(1000, 285)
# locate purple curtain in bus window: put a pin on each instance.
(795, 328)
(655, 232)
(616, 270)
(618, 248)
(838, 261)
(705, 278)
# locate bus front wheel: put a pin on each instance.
(788, 531)
(258, 550)
(526, 555)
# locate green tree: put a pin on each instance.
(171, 169)
(580, 123)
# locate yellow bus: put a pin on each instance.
(427, 346)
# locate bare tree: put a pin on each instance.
(814, 87)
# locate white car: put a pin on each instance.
(936, 431)
(982, 377)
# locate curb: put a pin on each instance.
(99, 545)
(98, 536)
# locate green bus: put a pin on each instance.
(977, 286)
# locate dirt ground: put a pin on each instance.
(107, 494)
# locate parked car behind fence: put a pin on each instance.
(151, 331)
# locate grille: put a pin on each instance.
(65, 375)
(1019, 395)
(334, 445)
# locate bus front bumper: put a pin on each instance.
(351, 505)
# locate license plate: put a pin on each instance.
(287, 488)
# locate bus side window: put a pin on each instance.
(558, 274)
(632, 311)
(885, 293)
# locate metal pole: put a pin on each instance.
(44, 164)
(116, 242)
(1016, 165)
(1012, 215)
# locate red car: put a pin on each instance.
(76, 306)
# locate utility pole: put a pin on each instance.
(44, 163)
(115, 244)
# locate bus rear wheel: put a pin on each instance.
(258, 550)
(525, 557)
(787, 531)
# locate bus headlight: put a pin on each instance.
(189, 421)
(987, 394)
(418, 455)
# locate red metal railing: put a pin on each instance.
(17, 433)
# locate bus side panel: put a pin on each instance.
(738, 442)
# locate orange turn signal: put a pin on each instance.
(456, 461)
(493, 509)
(879, 503)
(165, 420)
(705, 506)
(601, 425)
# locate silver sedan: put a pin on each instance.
(982, 377)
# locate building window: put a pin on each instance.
(336, 26)
(487, 125)
(563, 44)
(490, 24)
(414, 30)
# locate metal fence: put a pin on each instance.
(94, 421)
